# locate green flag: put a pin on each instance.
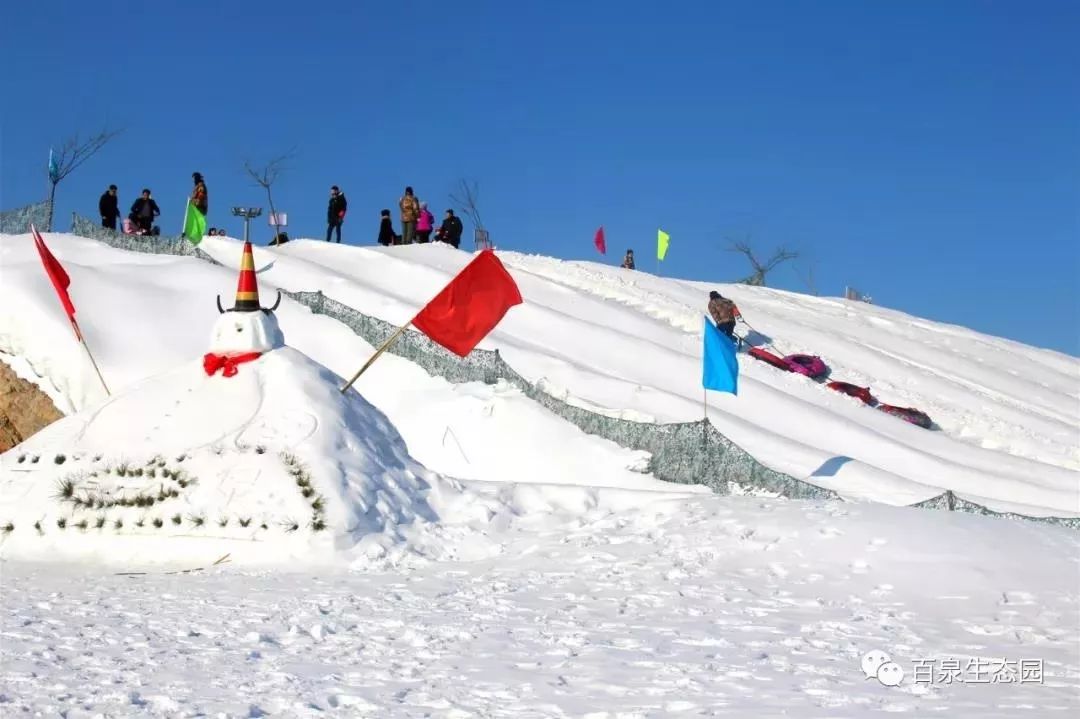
(663, 239)
(194, 224)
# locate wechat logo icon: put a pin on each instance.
(876, 664)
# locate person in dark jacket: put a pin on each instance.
(109, 208)
(199, 196)
(386, 229)
(335, 212)
(628, 260)
(145, 210)
(450, 230)
(724, 312)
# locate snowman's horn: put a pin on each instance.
(219, 309)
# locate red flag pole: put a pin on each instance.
(82, 340)
(53, 267)
(382, 348)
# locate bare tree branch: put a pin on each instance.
(73, 153)
(466, 197)
(780, 256)
(265, 176)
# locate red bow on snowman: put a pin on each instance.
(227, 363)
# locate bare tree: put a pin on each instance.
(265, 176)
(779, 256)
(74, 151)
(467, 197)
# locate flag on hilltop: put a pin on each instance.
(54, 169)
(57, 275)
(601, 245)
(194, 224)
(720, 367)
(663, 239)
(470, 306)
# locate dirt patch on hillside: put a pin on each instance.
(24, 409)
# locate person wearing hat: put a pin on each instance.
(450, 230)
(425, 223)
(724, 312)
(628, 260)
(109, 208)
(199, 196)
(410, 210)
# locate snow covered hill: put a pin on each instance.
(503, 562)
(626, 342)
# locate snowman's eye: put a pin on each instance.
(239, 328)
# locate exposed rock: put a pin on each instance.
(24, 409)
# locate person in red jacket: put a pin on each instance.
(199, 196)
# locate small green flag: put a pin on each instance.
(663, 239)
(194, 224)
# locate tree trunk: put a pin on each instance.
(52, 204)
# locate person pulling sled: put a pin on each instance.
(725, 314)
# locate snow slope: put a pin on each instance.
(630, 341)
(705, 606)
(553, 578)
(626, 342)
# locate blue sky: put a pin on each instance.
(926, 153)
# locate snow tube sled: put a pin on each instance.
(812, 367)
(854, 390)
(908, 414)
(770, 358)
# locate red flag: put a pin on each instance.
(599, 241)
(470, 306)
(59, 277)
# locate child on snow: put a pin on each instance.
(386, 229)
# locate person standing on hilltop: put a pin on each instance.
(109, 208)
(628, 260)
(425, 223)
(199, 196)
(410, 210)
(335, 212)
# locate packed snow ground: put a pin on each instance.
(701, 606)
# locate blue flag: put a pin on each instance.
(720, 368)
(54, 171)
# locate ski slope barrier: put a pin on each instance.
(18, 220)
(690, 453)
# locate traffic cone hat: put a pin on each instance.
(247, 289)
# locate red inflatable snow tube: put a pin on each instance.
(770, 358)
(809, 365)
(854, 390)
(908, 414)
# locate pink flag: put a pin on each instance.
(599, 241)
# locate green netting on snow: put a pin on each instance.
(688, 453)
(137, 243)
(17, 221)
(953, 502)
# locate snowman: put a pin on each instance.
(245, 332)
